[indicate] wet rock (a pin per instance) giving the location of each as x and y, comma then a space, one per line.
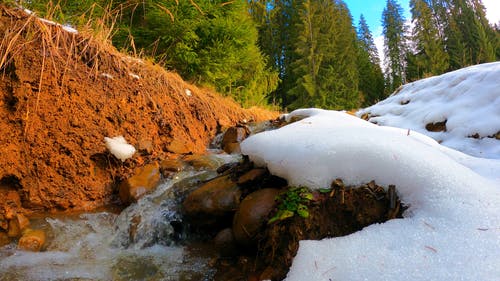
213, 199
144, 180
232, 138
225, 243
171, 166
4, 239
232, 148
228, 167
16, 225
4, 223
136, 268
252, 215
199, 162
252, 176
32, 240
436, 127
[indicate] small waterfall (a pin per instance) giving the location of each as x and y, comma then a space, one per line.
144, 242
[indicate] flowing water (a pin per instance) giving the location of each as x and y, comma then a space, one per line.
144, 242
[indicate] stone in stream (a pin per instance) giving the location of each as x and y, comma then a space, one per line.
225, 243
200, 162
171, 166
4, 223
144, 180
32, 240
253, 214
16, 225
214, 199
232, 139
4, 239
253, 175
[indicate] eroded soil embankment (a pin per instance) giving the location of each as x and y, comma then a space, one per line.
61, 93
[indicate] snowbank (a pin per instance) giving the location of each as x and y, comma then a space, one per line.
469, 99
451, 230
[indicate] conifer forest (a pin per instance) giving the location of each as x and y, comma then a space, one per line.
291, 54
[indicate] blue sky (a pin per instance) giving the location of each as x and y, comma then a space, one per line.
372, 10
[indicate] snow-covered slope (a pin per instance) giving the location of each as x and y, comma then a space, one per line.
451, 230
468, 99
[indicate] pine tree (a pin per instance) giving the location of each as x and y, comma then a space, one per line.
470, 38
339, 73
325, 66
395, 45
371, 78
277, 22
429, 57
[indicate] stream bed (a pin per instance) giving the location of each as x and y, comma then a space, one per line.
143, 242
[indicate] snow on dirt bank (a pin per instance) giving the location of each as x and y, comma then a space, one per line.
467, 100
451, 230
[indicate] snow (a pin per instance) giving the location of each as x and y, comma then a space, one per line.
134, 76
469, 99
451, 230
119, 147
65, 27
107, 75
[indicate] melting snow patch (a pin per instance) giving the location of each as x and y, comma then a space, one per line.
69, 28
107, 75
467, 99
119, 147
131, 59
134, 76
450, 231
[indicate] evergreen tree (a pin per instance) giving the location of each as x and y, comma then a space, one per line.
325, 68
371, 78
470, 38
429, 57
339, 73
277, 21
395, 45
212, 43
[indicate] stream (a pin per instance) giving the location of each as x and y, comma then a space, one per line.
143, 242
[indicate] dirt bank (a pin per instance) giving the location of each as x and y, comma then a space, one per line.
61, 93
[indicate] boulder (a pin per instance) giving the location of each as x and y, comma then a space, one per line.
4, 223
252, 176
252, 215
171, 166
232, 138
225, 243
4, 239
215, 198
199, 162
144, 180
32, 240
16, 225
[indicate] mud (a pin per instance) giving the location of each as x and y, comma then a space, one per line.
61, 93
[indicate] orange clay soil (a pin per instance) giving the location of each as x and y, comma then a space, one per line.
61, 93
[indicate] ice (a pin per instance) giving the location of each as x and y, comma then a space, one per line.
469, 99
451, 230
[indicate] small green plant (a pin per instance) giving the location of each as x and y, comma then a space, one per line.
292, 202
